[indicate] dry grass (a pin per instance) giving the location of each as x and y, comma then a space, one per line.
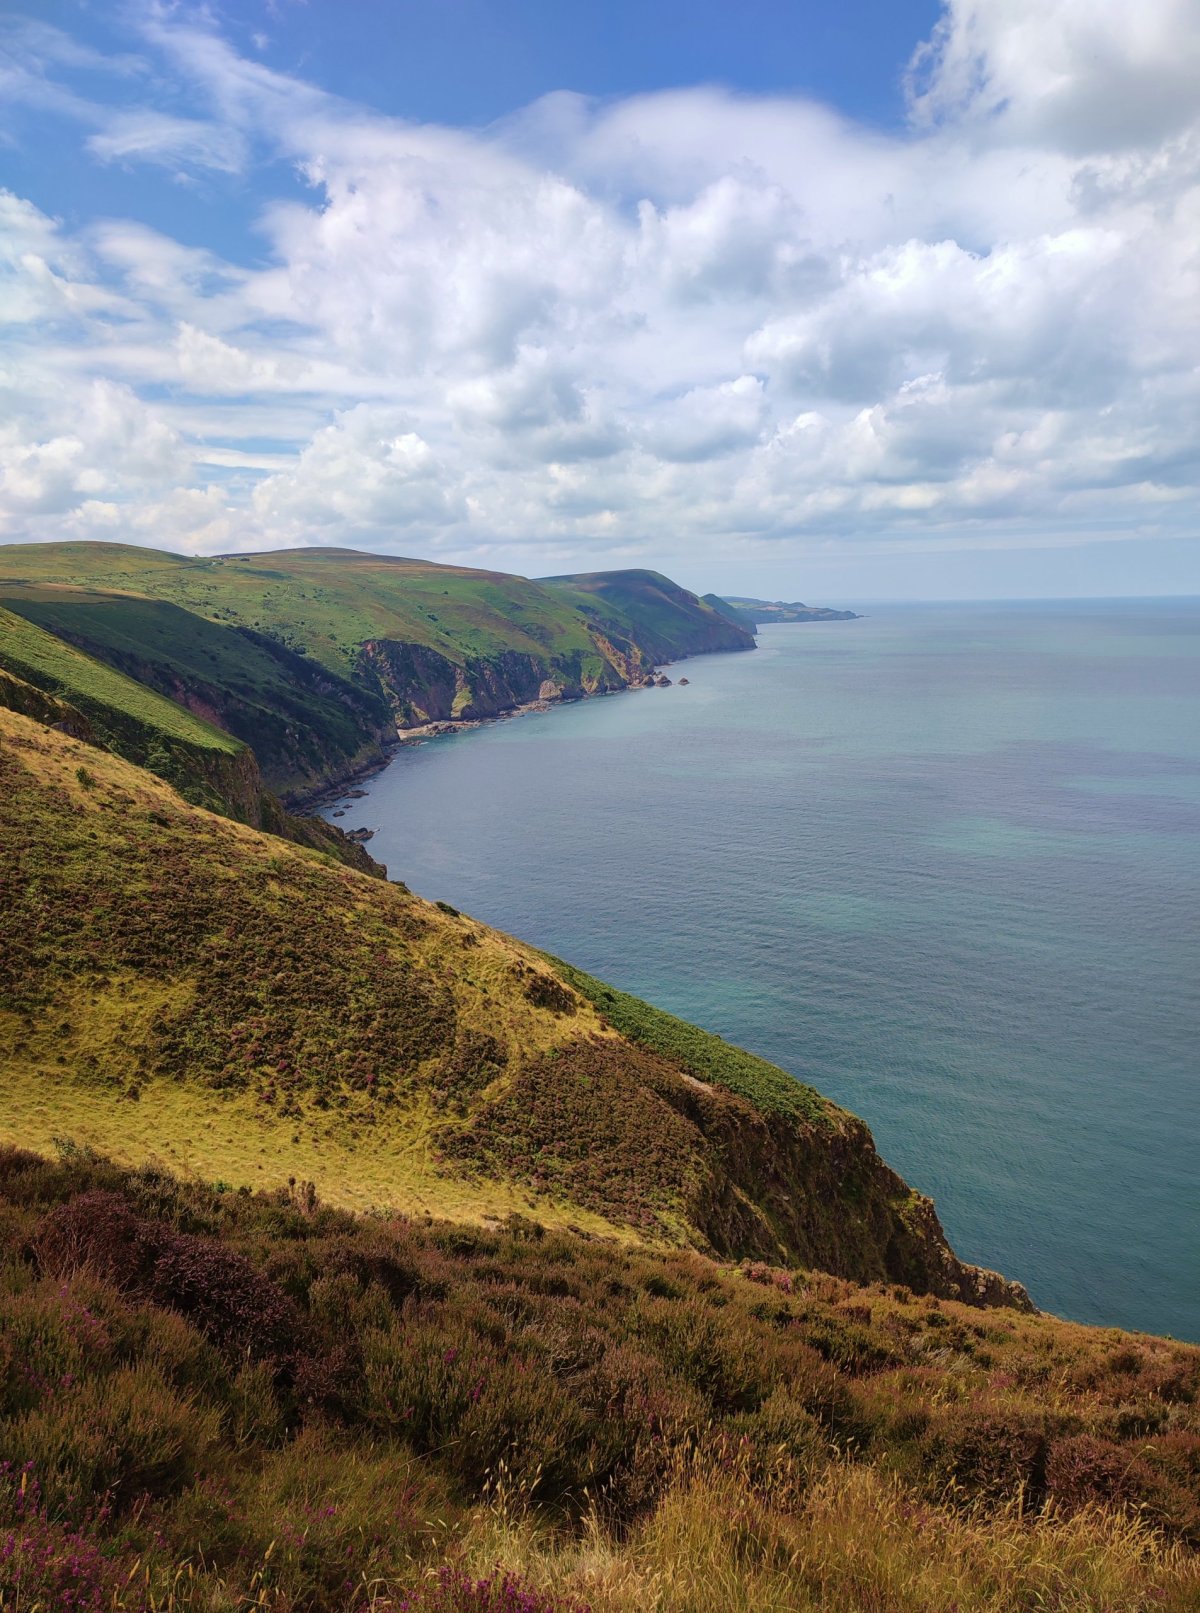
856, 1542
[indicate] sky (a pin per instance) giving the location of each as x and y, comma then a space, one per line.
882, 299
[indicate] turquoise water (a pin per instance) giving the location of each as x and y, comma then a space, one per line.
943, 862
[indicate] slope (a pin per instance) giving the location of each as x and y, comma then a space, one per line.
303, 722
44, 676
214, 1400
177, 985
363, 643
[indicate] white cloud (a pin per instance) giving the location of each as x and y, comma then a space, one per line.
1081, 75
69, 446
148, 136
368, 470
727, 319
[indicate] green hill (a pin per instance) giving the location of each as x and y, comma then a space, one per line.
744, 618
358, 1258
46, 677
315, 657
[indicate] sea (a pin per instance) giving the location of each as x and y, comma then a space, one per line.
942, 862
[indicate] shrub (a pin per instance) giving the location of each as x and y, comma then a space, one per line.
118, 1437
995, 1456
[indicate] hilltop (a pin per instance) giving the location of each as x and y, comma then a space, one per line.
318, 658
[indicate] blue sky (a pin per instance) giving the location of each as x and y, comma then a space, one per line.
874, 300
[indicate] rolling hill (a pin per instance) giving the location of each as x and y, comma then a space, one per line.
317, 657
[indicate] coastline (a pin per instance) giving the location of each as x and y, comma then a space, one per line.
338, 791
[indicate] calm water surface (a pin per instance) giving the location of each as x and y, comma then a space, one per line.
943, 862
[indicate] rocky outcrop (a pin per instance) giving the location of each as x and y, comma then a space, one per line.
794, 1192
423, 686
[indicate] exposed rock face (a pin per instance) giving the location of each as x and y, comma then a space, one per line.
423, 686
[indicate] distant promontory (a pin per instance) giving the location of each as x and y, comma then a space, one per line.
756, 613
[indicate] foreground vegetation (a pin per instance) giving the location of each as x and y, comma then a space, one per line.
215, 1400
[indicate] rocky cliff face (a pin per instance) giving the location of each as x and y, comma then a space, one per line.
422, 685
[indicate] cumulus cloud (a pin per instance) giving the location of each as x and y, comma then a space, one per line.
1081, 75
734, 320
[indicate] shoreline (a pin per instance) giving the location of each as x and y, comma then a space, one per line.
314, 804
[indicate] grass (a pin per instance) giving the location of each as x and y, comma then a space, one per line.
327, 602
216, 1400
178, 986
302, 722
101, 693
701, 1052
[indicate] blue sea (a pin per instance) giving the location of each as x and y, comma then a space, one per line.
942, 862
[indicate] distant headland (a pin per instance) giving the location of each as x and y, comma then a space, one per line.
755, 613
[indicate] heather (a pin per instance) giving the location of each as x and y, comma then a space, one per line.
216, 1399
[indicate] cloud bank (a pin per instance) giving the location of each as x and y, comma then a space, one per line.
690, 322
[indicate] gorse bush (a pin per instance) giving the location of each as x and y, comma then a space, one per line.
219, 1401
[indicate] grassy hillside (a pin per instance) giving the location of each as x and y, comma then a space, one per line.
303, 722
375, 1262
217, 1401
210, 766
176, 985
327, 602
315, 656
665, 620
743, 616
44, 677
